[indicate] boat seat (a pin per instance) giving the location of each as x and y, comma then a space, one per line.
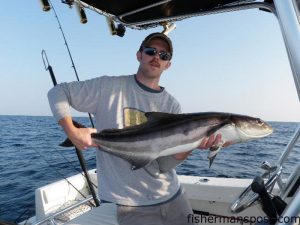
105, 214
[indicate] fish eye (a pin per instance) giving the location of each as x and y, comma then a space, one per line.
259, 121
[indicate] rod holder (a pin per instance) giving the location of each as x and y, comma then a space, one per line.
119, 30
45, 5
81, 13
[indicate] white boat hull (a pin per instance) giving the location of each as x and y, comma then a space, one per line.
210, 197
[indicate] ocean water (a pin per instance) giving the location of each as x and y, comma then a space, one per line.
31, 157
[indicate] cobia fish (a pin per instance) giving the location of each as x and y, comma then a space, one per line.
167, 134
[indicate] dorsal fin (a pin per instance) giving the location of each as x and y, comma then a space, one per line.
156, 116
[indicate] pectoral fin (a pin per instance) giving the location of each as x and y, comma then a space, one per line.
214, 150
136, 160
139, 163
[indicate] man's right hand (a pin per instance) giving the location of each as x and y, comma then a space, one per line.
80, 137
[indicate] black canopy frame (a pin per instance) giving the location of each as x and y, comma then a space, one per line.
146, 14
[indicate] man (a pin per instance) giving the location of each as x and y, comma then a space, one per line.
150, 195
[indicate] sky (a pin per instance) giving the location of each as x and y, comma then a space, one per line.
230, 62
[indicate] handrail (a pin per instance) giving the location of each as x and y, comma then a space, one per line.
52, 216
289, 148
288, 18
292, 214
290, 182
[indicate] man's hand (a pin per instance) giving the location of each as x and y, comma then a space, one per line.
80, 137
206, 143
212, 140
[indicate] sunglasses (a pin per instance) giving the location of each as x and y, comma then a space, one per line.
165, 56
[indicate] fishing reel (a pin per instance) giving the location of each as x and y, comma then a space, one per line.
119, 30
268, 168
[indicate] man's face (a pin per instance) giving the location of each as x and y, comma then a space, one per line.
153, 66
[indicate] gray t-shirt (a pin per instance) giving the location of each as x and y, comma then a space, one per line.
118, 102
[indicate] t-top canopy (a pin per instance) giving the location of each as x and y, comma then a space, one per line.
149, 13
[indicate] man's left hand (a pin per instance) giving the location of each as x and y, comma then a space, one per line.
206, 143
211, 141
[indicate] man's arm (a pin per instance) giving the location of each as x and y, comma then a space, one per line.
80, 137
82, 96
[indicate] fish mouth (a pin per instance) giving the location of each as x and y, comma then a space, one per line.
256, 133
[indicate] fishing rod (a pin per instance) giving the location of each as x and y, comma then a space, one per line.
48, 67
78, 152
69, 52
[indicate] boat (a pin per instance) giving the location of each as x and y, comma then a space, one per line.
267, 199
